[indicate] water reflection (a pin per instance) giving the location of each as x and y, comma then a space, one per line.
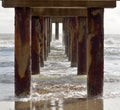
67, 104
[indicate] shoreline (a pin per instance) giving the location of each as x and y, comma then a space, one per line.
64, 104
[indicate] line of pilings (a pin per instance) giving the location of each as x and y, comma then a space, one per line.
83, 39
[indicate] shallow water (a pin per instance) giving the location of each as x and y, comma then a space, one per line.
64, 104
57, 79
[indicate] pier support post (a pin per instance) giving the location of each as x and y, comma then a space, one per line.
69, 39
65, 35
41, 41
57, 31
50, 30
22, 51
45, 39
35, 46
74, 37
48, 34
82, 46
95, 51
63, 30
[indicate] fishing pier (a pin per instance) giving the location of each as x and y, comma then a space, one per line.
83, 30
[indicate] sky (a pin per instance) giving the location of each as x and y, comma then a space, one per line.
111, 20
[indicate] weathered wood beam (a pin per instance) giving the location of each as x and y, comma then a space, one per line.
22, 51
65, 20
45, 38
82, 45
95, 51
41, 41
48, 34
59, 3
69, 39
50, 29
35, 45
74, 38
56, 13
56, 19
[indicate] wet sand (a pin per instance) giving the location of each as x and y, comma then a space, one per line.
64, 104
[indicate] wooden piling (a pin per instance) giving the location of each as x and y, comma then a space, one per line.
82, 45
69, 39
35, 45
65, 35
74, 38
41, 41
95, 52
50, 30
48, 35
22, 51
45, 39
57, 31
63, 29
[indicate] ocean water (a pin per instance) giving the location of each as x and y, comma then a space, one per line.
57, 71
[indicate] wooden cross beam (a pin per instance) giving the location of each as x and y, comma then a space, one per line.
59, 3
59, 12
56, 19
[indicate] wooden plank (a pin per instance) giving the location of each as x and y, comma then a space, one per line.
35, 45
59, 12
59, 3
22, 51
95, 52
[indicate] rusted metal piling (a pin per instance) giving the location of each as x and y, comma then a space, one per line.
22, 51
57, 30
95, 51
82, 45
35, 45
74, 38
41, 41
